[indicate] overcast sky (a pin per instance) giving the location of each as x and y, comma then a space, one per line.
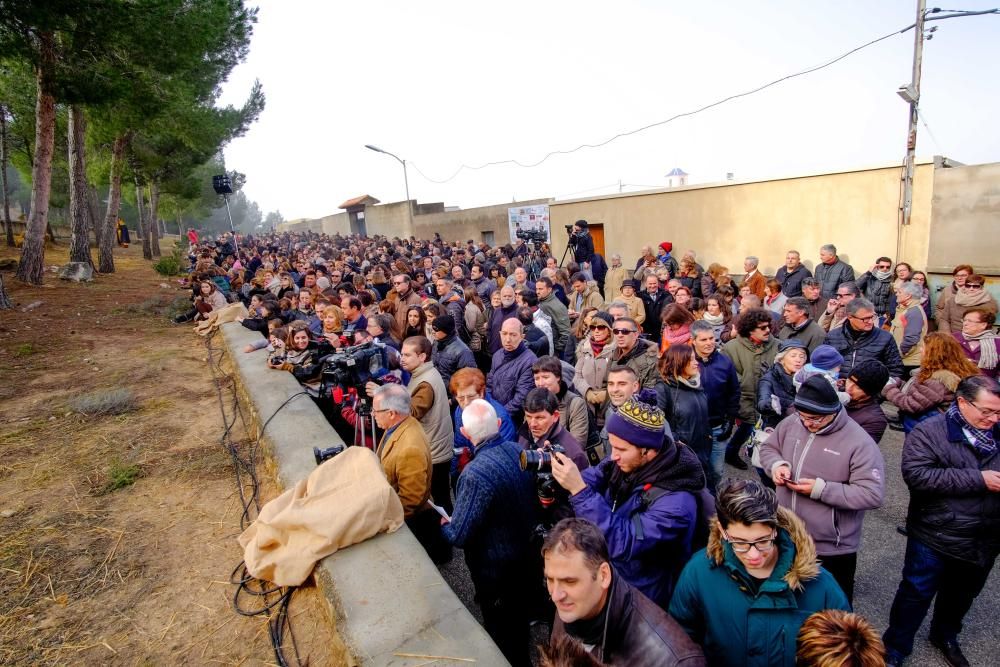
443, 84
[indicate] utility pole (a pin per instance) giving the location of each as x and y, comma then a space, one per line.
911, 93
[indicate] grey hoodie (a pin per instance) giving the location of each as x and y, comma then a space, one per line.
849, 472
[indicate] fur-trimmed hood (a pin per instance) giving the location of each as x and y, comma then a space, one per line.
804, 567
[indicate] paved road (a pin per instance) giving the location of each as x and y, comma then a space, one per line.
880, 564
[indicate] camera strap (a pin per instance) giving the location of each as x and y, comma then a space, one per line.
649, 495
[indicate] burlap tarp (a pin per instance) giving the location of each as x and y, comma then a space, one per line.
344, 501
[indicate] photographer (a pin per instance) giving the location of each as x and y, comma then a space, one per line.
647, 498
582, 242
298, 356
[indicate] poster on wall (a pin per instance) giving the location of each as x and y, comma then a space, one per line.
530, 223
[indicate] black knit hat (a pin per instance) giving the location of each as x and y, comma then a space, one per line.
817, 396
445, 324
604, 317
870, 376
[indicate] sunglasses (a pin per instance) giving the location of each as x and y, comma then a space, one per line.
623, 332
594, 327
973, 286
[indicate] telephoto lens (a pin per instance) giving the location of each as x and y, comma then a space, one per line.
326, 453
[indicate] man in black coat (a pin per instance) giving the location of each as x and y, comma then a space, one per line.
859, 340
952, 468
583, 242
597, 608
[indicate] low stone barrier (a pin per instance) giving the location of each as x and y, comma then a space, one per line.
386, 597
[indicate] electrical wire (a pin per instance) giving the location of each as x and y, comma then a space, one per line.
253, 597
927, 127
693, 112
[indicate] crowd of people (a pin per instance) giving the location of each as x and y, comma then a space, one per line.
684, 456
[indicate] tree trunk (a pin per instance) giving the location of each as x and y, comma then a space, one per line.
154, 212
108, 232
32, 264
147, 249
79, 214
4, 159
96, 223
5, 303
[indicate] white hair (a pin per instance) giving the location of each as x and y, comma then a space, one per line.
394, 397
913, 289
479, 420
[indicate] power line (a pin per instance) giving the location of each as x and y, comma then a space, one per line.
628, 133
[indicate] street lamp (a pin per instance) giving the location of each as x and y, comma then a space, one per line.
406, 181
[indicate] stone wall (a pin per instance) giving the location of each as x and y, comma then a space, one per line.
385, 595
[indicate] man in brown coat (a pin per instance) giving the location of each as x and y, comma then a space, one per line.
406, 296
753, 279
406, 460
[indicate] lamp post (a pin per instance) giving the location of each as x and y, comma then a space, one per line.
406, 181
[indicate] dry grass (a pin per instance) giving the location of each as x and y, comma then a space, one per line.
138, 575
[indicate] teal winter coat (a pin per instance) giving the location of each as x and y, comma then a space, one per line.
714, 600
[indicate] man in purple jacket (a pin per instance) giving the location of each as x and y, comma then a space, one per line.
648, 498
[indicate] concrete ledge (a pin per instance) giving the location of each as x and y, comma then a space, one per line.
385, 594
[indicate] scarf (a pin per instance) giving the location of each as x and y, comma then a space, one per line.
714, 320
987, 349
681, 335
983, 443
971, 299
882, 275
596, 347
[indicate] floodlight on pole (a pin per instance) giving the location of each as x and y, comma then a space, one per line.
406, 180
223, 185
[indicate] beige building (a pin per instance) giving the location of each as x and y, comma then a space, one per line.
956, 213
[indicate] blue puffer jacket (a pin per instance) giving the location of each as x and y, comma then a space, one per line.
716, 604
510, 378
651, 557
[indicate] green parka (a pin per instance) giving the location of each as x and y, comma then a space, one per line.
751, 361
715, 604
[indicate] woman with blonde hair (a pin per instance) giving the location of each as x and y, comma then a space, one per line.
713, 278
931, 389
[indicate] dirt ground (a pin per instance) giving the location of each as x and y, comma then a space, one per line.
118, 533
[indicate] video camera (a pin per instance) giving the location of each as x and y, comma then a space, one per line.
353, 366
539, 463
532, 235
326, 453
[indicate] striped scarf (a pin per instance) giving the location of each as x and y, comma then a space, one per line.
982, 442
987, 348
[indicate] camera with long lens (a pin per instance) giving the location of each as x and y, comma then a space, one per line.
353, 366
539, 462
532, 235
326, 453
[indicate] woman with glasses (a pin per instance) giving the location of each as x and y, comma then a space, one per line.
979, 342
971, 295
744, 598
593, 358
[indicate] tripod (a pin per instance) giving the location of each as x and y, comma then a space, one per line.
365, 422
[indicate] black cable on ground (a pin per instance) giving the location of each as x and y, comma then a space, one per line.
253, 597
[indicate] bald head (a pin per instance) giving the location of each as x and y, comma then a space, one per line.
511, 334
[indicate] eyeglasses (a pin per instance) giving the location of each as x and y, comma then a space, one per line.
375, 412
870, 318
623, 332
811, 419
466, 398
884, 267
595, 327
985, 413
741, 547
973, 286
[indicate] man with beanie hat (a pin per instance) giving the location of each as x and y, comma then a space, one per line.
864, 385
450, 353
582, 242
828, 471
648, 497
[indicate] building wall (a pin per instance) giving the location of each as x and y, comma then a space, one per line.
858, 211
965, 218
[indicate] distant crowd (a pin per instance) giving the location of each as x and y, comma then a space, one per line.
685, 456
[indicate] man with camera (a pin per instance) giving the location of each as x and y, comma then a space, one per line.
582, 242
406, 460
493, 522
647, 497
596, 607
